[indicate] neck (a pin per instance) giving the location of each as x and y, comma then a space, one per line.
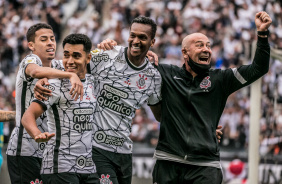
81, 75
46, 63
138, 60
189, 69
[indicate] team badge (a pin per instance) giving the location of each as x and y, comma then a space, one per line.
128, 81
36, 182
105, 179
95, 52
141, 83
30, 60
205, 83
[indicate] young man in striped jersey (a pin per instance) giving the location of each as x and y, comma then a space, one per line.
23, 153
67, 157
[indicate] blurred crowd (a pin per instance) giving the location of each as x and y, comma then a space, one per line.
229, 24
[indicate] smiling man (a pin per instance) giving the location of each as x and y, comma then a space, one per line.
125, 79
193, 98
67, 157
23, 153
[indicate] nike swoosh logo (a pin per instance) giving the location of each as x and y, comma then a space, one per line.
177, 78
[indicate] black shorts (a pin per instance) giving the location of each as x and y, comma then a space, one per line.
112, 166
167, 172
23, 169
70, 178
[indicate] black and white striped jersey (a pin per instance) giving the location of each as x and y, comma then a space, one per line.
72, 122
120, 88
20, 143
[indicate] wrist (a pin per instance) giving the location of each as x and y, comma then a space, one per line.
263, 34
70, 75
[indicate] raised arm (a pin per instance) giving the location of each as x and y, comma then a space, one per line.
29, 123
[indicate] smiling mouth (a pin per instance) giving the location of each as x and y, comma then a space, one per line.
203, 59
134, 48
71, 68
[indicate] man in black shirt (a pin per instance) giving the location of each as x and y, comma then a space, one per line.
193, 98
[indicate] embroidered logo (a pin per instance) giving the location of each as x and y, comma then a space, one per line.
105, 179
128, 81
205, 83
36, 182
141, 83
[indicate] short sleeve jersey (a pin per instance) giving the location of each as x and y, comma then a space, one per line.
20, 143
120, 88
71, 121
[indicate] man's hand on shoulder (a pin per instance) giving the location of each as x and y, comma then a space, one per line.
107, 44
76, 87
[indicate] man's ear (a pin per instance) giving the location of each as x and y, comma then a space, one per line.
153, 42
31, 46
88, 58
185, 53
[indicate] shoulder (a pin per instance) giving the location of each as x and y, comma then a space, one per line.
31, 58
165, 68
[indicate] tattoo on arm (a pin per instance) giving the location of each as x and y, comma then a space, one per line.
7, 115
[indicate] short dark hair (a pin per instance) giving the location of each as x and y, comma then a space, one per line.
147, 21
78, 38
30, 35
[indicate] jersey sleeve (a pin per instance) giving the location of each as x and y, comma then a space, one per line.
100, 58
55, 85
236, 78
26, 61
156, 97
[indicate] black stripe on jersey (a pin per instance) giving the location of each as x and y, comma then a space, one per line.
128, 62
20, 136
58, 138
88, 68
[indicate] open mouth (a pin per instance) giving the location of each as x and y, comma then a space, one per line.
204, 59
51, 51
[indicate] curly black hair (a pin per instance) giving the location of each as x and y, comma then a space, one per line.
78, 38
146, 21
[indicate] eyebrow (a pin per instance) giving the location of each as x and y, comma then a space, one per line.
141, 34
77, 53
46, 36
200, 42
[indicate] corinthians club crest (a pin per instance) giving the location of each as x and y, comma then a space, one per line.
141, 83
205, 83
105, 179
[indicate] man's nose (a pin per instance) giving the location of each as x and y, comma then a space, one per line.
136, 40
70, 60
51, 42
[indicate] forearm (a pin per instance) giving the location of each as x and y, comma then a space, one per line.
29, 123
29, 119
46, 72
262, 54
7, 115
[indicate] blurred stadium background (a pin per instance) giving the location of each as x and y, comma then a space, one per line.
230, 26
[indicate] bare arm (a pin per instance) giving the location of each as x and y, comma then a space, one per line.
7, 115
156, 109
38, 72
29, 123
